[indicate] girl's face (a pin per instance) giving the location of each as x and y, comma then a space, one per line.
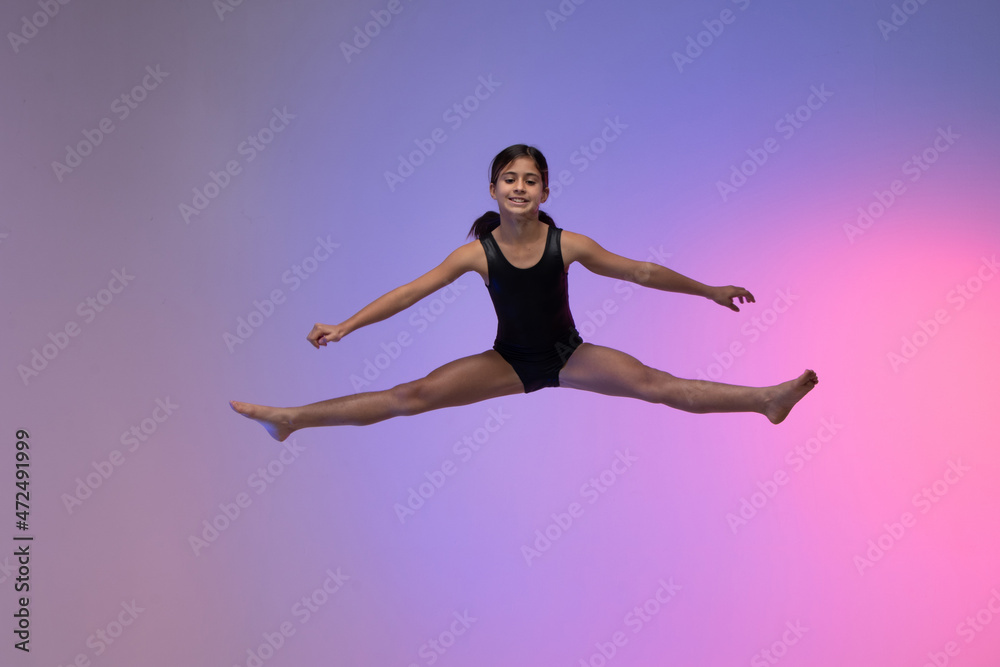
519, 189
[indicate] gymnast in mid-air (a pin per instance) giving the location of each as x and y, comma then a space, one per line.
523, 258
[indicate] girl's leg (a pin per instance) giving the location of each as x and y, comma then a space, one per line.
461, 382
607, 371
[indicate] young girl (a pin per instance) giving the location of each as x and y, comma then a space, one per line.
523, 259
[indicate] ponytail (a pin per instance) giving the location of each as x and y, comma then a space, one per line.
490, 220
485, 224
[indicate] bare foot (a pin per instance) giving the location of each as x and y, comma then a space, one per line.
274, 420
787, 394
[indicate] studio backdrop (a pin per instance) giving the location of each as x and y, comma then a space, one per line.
188, 187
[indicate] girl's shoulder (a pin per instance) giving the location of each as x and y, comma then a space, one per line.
574, 239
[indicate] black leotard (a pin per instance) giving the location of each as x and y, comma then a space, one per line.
535, 330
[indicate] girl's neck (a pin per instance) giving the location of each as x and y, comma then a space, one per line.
522, 229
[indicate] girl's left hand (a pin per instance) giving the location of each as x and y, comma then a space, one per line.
724, 296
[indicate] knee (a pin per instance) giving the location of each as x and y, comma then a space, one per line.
651, 384
409, 399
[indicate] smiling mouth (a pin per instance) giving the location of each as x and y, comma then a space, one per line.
517, 200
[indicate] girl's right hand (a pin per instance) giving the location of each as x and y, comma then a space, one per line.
322, 334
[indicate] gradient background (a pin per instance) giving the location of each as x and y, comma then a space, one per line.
852, 300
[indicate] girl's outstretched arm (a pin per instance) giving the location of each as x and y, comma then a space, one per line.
579, 248
467, 258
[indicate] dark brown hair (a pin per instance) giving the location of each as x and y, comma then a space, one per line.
489, 220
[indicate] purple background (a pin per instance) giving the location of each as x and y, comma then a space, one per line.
837, 559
